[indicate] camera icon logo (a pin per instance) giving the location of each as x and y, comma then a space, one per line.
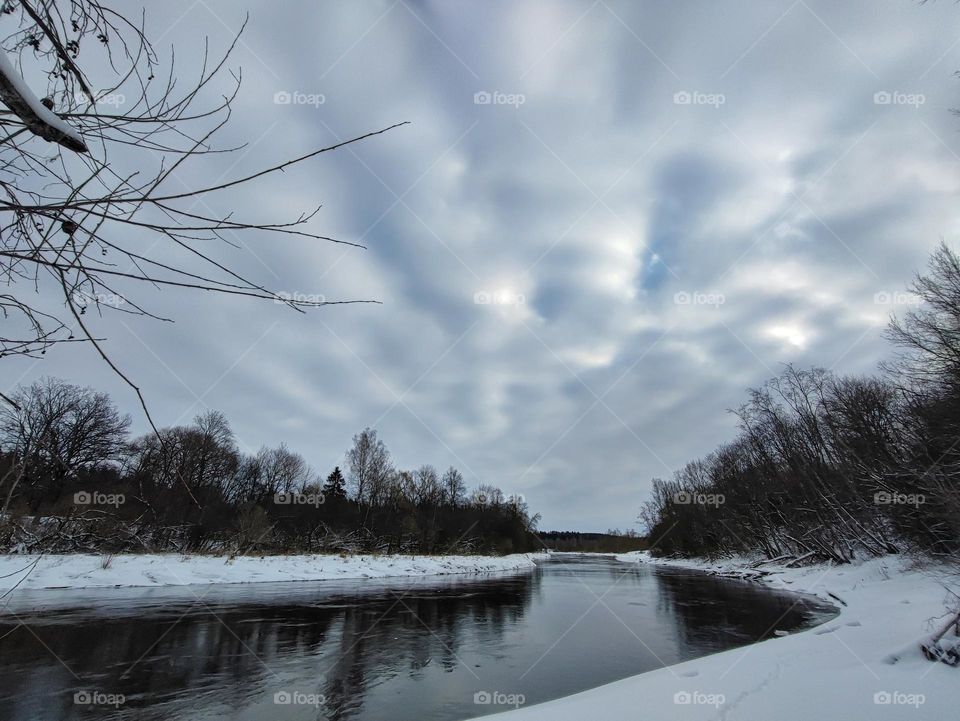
482, 697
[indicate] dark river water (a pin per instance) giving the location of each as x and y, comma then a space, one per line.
434, 648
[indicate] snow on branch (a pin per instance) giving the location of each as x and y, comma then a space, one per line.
39, 119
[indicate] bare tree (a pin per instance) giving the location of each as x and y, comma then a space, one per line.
453, 486
198, 457
370, 467
429, 491
87, 170
927, 367
928, 337
282, 471
53, 430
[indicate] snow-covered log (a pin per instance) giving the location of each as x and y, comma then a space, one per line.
39, 119
800, 559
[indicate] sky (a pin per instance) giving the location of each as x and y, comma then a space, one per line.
604, 222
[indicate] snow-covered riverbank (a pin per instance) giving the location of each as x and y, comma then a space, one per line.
95, 571
865, 665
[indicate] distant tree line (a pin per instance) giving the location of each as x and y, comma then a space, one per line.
71, 479
836, 467
613, 541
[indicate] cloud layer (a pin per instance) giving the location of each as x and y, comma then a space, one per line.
604, 222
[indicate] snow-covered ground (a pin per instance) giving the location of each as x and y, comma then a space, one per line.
864, 665
94, 571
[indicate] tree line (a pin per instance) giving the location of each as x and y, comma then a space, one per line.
834, 467
613, 541
72, 479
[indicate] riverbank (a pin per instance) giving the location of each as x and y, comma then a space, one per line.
151, 570
864, 665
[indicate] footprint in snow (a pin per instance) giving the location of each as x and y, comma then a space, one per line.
854, 623
690, 674
822, 631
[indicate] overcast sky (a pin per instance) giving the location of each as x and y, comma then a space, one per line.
663, 202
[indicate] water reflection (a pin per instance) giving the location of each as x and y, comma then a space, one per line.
714, 611
393, 650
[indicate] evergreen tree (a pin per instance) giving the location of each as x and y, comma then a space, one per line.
335, 487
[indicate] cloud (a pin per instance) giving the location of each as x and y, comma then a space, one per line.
658, 253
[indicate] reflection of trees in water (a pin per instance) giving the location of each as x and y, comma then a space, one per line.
175, 651
617, 570
717, 613
340, 647
413, 631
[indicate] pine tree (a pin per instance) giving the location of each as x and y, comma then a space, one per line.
335, 487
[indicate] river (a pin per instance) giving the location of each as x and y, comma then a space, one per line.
438, 648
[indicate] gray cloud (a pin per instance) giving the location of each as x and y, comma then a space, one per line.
596, 202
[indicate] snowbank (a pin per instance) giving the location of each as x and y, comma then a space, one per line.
95, 571
864, 665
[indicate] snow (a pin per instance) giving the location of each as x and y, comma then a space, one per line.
99, 571
864, 665
45, 123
